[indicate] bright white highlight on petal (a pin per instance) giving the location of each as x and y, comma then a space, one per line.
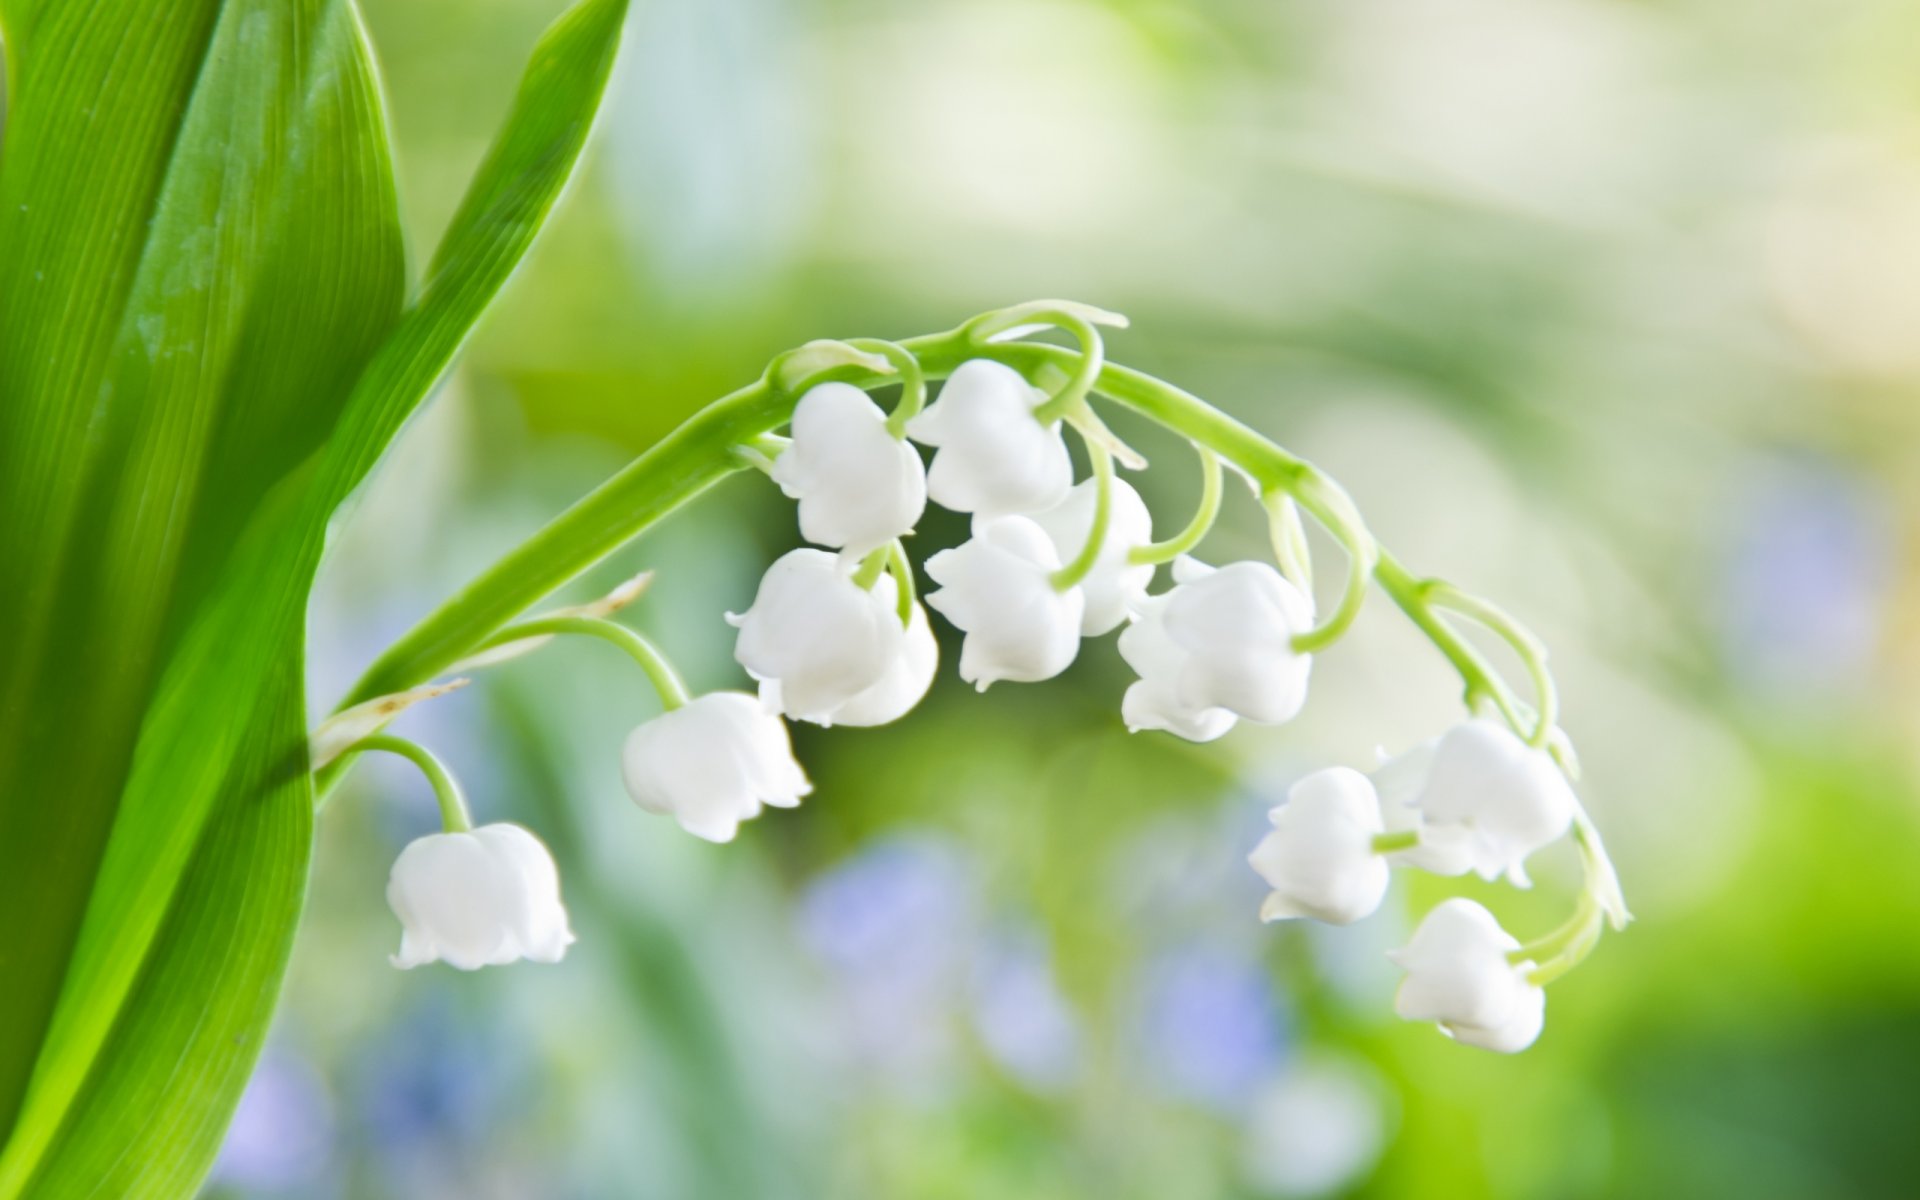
1458, 975
712, 764
1218, 647
482, 898
992, 458
1319, 859
858, 486
997, 588
1114, 587
816, 633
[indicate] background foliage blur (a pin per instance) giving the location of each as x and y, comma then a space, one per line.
1608, 310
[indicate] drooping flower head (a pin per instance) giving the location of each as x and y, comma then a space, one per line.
1218, 647
997, 588
1320, 859
478, 898
1488, 800
1114, 586
817, 638
712, 763
859, 487
992, 456
1459, 975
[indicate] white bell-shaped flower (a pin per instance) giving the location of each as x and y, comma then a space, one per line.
859, 487
712, 763
1398, 780
906, 680
478, 898
1219, 646
992, 456
997, 588
1320, 859
1459, 975
1114, 586
821, 637
1489, 800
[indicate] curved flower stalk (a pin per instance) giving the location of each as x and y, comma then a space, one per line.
841, 638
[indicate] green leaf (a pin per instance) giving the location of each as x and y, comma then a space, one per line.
202, 352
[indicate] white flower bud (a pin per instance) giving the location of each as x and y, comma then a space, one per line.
1114, 585
1442, 849
1217, 647
859, 487
1489, 800
816, 633
481, 898
1319, 859
997, 588
906, 681
992, 457
1458, 975
712, 763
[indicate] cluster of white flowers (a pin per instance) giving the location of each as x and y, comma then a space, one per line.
837, 635
1477, 798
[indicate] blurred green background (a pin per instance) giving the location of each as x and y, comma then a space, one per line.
1607, 310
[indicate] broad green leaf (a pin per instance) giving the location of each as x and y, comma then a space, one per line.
252, 366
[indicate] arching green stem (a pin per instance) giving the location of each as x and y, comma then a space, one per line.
1532, 652
901, 568
666, 681
1288, 537
1070, 575
454, 814
913, 381
1203, 517
1327, 503
868, 573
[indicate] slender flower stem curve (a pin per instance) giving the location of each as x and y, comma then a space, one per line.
454, 814
660, 673
1197, 529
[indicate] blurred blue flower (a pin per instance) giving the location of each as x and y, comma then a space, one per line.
1212, 1025
1024, 1022
429, 1080
1810, 556
281, 1137
897, 925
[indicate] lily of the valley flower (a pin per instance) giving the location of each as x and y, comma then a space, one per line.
1218, 647
859, 487
1320, 859
820, 638
992, 456
1458, 975
478, 898
1114, 586
712, 763
906, 680
1487, 800
997, 588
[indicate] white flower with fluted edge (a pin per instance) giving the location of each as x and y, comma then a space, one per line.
817, 636
1398, 780
712, 763
1216, 648
1459, 975
478, 898
997, 588
992, 457
859, 487
1485, 800
1114, 586
905, 682
1320, 859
